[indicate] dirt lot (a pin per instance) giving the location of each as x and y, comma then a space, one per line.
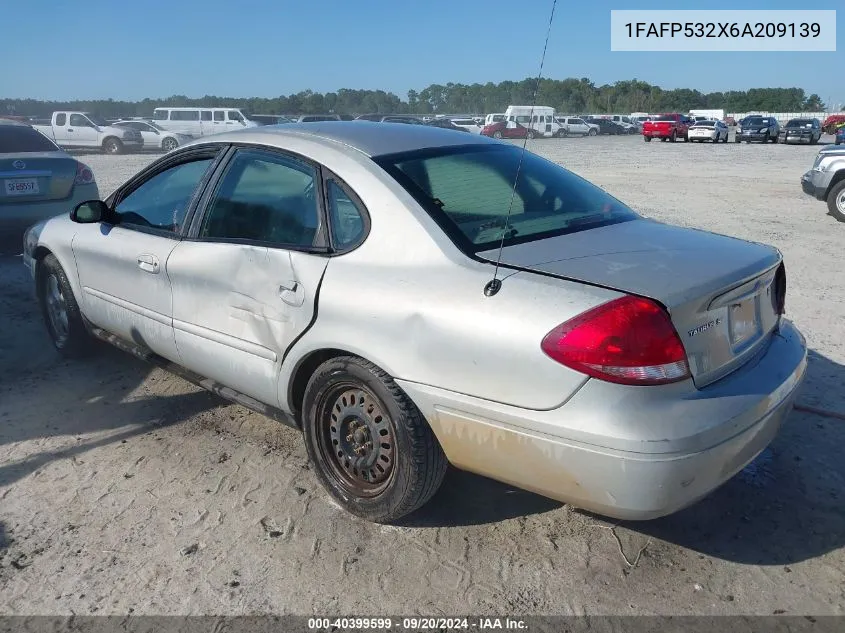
124, 489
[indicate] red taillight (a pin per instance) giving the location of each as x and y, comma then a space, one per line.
84, 175
629, 340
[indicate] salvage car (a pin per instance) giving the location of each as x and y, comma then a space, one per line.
667, 127
508, 129
801, 131
758, 128
410, 297
826, 180
38, 180
154, 136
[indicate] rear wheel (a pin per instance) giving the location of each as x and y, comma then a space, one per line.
530, 134
60, 310
836, 201
374, 452
593, 131
647, 139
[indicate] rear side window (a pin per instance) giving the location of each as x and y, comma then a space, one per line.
185, 115
15, 139
162, 201
219, 115
469, 190
345, 216
206, 115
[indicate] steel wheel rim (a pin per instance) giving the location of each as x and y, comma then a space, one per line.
57, 309
357, 440
840, 201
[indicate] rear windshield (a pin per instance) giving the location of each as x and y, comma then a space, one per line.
468, 191
705, 123
18, 139
666, 117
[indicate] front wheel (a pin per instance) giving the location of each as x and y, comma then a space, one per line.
60, 311
112, 146
497, 134
836, 201
592, 131
372, 449
169, 144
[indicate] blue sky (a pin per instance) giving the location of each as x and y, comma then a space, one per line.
123, 50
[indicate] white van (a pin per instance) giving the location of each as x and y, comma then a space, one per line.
539, 118
198, 122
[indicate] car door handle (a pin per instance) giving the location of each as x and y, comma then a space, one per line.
288, 286
148, 263
70, 129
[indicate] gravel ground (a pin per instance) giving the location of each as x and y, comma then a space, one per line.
124, 489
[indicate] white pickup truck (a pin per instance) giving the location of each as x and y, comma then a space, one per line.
84, 130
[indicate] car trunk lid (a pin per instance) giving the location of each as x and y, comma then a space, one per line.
36, 177
721, 293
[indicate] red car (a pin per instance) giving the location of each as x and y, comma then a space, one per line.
832, 122
501, 130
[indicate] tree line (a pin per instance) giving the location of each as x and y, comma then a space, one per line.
572, 95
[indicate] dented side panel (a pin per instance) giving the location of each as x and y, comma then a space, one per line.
237, 308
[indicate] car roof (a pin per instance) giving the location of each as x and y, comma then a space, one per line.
372, 139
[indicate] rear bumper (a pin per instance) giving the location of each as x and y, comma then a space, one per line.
16, 218
655, 477
661, 133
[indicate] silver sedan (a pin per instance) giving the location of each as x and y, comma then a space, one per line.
342, 277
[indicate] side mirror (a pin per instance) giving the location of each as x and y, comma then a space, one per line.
89, 212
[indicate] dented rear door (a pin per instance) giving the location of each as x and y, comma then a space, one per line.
237, 308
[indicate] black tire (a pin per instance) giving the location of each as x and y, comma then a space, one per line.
836, 201
407, 446
69, 335
647, 139
815, 141
112, 145
663, 139
530, 134
592, 132
497, 134
169, 144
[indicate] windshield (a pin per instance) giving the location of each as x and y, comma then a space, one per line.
468, 191
754, 120
800, 123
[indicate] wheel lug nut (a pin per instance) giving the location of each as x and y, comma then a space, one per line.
349, 437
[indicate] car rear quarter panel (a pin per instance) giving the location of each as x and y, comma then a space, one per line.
409, 301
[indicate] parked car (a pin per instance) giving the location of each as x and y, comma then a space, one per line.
508, 129
270, 119
840, 136
628, 381
667, 127
801, 131
155, 136
573, 126
446, 124
38, 179
83, 130
391, 118
606, 126
765, 129
470, 125
316, 118
713, 131
826, 180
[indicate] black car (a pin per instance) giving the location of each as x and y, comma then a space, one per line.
758, 128
446, 124
606, 126
801, 131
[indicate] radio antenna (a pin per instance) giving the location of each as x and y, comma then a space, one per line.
494, 285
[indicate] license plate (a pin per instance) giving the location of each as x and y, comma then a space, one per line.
21, 187
744, 324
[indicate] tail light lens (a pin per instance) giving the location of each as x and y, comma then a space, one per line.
630, 341
84, 175
779, 294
